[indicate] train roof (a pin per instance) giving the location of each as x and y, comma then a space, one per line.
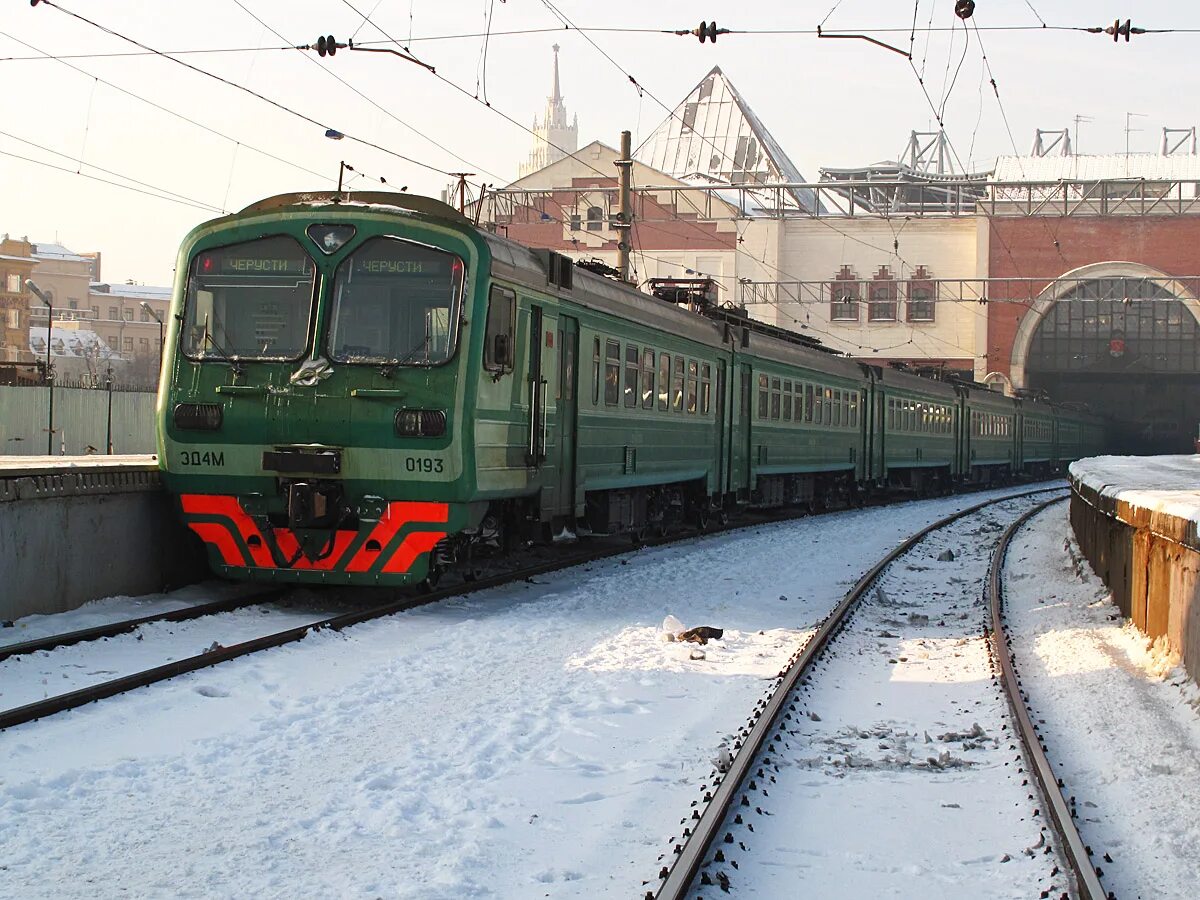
426, 206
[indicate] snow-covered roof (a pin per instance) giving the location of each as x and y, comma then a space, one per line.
1149, 166
715, 132
133, 291
79, 343
57, 251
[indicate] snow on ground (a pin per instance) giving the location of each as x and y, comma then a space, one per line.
1120, 716
897, 778
534, 740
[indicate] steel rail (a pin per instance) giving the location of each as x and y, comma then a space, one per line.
690, 853
1087, 882
75, 699
112, 629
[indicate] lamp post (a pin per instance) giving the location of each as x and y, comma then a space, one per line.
150, 311
37, 292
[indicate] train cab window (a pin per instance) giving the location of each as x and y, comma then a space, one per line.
693, 385
632, 375
498, 338
808, 403
612, 373
397, 303
664, 381
647, 379
764, 397
787, 401
677, 385
774, 398
249, 301
705, 389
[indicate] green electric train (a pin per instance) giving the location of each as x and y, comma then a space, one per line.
369, 389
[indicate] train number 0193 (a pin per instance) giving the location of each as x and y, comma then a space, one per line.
423, 464
202, 457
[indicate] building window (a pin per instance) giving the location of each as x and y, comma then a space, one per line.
882, 306
145, 317
95, 312
595, 218
576, 221
127, 314
128, 345
14, 283
920, 296
843, 296
114, 313
73, 304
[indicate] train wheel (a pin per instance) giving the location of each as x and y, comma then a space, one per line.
702, 517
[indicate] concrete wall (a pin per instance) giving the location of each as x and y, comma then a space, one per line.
73, 536
80, 421
1150, 560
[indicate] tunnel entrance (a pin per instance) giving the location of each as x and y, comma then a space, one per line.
1128, 348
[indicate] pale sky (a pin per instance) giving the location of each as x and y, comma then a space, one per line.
834, 103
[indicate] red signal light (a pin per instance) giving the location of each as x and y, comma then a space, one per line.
206, 264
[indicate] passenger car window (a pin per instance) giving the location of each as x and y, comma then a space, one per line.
612, 373
498, 336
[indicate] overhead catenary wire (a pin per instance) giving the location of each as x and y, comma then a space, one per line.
240, 87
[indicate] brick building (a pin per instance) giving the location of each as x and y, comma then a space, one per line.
16, 265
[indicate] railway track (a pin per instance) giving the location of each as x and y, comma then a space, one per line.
703, 860
126, 626
607, 547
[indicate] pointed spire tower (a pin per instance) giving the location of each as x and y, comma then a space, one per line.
555, 137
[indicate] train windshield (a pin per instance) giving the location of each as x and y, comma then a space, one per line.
250, 301
396, 303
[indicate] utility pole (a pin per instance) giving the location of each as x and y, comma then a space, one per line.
1128, 128
462, 189
1078, 119
49, 369
624, 221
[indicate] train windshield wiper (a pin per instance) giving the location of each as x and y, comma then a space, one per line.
212, 342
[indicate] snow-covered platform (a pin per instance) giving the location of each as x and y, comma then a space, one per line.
1137, 519
77, 528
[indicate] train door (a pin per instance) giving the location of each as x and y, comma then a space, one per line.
740, 457
535, 449
722, 431
568, 374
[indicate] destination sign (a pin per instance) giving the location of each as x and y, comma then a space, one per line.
429, 267
221, 264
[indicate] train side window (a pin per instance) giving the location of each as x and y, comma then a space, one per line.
647, 378
828, 406
891, 414
612, 373
498, 337
808, 403
787, 401
705, 388
764, 397
595, 371
853, 420
837, 407
692, 385
774, 398
631, 375
677, 385
664, 381
819, 411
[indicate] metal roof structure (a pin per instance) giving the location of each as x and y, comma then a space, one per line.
715, 134
1110, 167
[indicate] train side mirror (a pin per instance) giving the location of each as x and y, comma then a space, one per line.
502, 351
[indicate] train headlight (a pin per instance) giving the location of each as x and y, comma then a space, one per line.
420, 423
198, 416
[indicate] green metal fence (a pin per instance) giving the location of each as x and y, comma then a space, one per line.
82, 420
